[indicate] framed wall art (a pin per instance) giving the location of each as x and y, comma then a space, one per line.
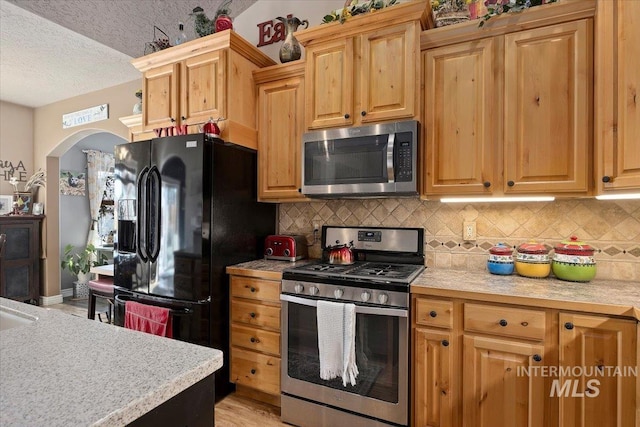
72, 183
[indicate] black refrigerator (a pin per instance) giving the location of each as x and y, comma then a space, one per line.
186, 208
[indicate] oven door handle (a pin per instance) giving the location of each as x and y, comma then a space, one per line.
360, 309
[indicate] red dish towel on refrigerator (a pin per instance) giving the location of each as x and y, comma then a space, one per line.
147, 318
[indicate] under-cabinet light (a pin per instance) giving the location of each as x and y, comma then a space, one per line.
497, 199
628, 196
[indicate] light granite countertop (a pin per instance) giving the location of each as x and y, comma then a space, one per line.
64, 370
610, 297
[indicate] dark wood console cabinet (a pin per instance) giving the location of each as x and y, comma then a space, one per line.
20, 260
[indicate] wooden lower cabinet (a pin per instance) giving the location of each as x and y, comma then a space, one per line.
435, 375
255, 337
496, 390
477, 363
597, 395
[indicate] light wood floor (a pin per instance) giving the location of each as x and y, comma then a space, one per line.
238, 411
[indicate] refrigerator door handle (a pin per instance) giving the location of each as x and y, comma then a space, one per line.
141, 216
155, 193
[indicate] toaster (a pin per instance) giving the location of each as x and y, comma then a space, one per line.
286, 248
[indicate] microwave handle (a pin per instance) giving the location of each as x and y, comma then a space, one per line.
390, 172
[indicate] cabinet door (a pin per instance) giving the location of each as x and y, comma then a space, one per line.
586, 343
547, 109
280, 128
500, 385
617, 126
203, 88
160, 91
389, 73
20, 264
329, 84
461, 118
435, 386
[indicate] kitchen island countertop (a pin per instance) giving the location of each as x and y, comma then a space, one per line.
64, 370
609, 297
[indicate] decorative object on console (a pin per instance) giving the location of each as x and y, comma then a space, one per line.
500, 259
448, 12
498, 7
290, 49
37, 209
6, 204
354, 7
573, 261
203, 25
159, 42
137, 107
532, 260
22, 200
223, 17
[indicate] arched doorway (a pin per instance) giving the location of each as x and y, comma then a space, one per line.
51, 291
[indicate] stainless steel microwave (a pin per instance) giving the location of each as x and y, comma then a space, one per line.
365, 161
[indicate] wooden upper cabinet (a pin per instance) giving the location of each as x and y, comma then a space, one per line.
461, 118
388, 73
329, 84
204, 88
365, 70
547, 109
617, 97
508, 111
280, 128
190, 83
161, 94
605, 399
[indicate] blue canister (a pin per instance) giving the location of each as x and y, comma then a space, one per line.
500, 260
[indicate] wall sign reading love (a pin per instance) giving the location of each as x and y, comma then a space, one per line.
88, 115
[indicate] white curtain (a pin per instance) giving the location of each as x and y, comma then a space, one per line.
99, 166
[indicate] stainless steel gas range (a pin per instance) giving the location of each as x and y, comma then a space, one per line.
387, 260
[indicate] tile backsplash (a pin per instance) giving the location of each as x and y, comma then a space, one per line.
611, 227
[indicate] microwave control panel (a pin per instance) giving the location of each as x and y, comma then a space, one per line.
404, 158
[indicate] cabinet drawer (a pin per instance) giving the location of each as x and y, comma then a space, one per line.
431, 312
255, 370
504, 321
255, 339
258, 289
255, 314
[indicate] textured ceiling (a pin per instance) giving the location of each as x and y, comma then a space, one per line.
52, 50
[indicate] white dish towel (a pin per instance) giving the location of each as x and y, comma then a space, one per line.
337, 341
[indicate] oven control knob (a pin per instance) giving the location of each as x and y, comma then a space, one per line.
365, 296
298, 288
314, 290
383, 298
338, 293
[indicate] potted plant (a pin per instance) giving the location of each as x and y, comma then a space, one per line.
79, 263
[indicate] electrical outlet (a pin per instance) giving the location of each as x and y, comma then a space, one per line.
316, 226
469, 231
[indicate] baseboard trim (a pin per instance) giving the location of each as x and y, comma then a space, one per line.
56, 299
68, 292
